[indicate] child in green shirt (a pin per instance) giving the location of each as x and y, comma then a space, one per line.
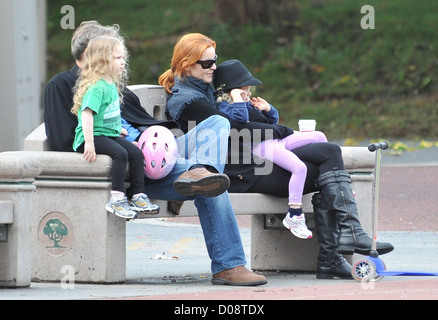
96, 102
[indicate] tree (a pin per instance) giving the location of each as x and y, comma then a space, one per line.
55, 230
281, 15
241, 12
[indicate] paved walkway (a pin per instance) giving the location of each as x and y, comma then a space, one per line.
177, 267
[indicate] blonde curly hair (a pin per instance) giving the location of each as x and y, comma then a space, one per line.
221, 95
96, 61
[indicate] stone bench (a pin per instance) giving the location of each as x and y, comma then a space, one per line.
71, 195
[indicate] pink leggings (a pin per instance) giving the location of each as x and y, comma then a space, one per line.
279, 152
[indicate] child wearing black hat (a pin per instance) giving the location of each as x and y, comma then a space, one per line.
233, 82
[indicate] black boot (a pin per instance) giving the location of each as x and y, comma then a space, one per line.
330, 263
335, 187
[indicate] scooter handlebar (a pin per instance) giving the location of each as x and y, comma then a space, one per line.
378, 145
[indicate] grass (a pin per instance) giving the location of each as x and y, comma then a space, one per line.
358, 84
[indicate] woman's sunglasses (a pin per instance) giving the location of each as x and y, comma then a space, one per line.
206, 64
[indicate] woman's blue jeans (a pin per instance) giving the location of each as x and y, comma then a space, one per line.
216, 214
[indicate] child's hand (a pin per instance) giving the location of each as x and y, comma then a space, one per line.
124, 132
238, 95
261, 104
89, 152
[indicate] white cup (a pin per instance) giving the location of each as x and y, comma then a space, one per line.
307, 125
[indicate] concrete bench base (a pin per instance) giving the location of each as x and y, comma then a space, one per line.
17, 193
93, 244
274, 248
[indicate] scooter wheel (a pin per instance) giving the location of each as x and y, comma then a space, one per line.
365, 270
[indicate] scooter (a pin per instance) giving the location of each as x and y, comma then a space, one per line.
372, 268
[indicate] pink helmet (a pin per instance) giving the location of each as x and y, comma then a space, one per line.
160, 151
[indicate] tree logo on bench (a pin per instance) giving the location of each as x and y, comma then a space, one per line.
54, 233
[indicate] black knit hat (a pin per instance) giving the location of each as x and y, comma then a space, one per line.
233, 74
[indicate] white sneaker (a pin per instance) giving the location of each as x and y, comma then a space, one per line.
121, 208
297, 225
143, 204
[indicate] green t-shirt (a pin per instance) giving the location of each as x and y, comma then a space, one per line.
103, 99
